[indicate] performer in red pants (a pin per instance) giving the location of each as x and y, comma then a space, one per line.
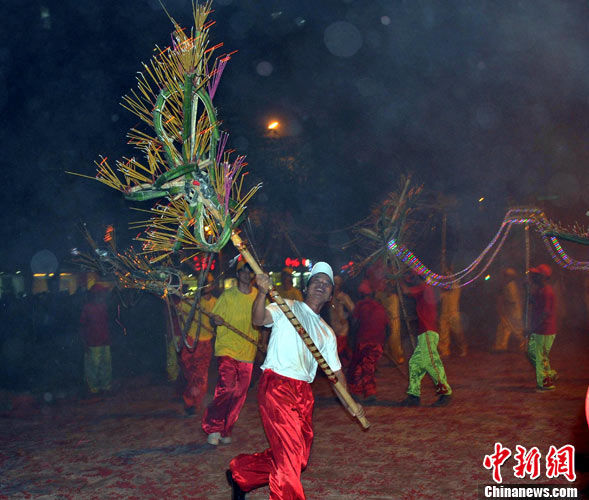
195, 361
371, 321
235, 357
285, 397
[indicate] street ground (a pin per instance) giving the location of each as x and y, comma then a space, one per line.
138, 443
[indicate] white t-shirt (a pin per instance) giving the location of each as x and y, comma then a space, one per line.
287, 354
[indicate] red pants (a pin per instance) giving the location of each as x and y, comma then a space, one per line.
232, 384
195, 367
361, 379
286, 408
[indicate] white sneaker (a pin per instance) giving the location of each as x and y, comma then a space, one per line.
226, 440
213, 438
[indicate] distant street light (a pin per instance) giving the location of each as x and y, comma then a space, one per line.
273, 125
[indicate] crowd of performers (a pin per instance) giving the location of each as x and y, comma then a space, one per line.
329, 315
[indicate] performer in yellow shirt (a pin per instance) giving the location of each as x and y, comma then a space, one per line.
286, 290
195, 360
235, 356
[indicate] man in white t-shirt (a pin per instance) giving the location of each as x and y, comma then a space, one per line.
285, 398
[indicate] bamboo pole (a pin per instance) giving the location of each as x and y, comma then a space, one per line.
338, 387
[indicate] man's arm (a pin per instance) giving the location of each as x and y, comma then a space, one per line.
260, 315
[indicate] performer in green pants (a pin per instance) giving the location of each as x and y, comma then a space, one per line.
422, 313
543, 326
538, 349
427, 360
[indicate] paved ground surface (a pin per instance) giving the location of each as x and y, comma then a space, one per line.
137, 442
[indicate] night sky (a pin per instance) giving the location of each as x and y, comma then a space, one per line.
473, 98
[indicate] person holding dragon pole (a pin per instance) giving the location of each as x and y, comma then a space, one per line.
425, 357
285, 398
235, 357
196, 353
543, 328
